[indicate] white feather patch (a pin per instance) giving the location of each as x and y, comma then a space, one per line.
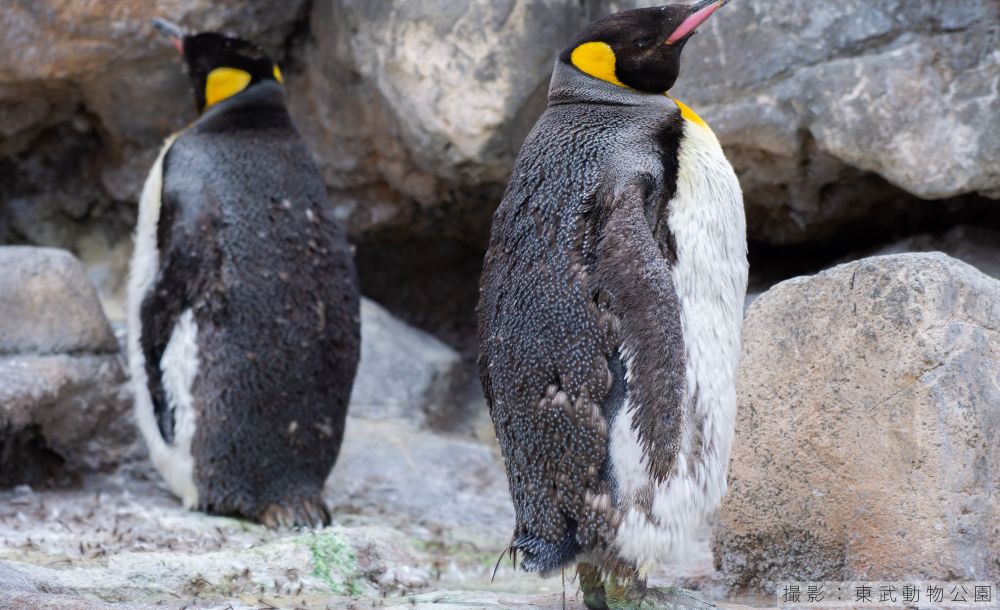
628, 463
174, 462
710, 276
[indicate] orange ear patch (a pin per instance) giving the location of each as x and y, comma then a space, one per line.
223, 83
598, 60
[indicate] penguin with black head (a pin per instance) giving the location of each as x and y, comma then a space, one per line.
243, 302
610, 312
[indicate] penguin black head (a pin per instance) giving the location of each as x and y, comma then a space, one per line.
641, 48
219, 66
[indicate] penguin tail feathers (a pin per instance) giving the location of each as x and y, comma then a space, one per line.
542, 556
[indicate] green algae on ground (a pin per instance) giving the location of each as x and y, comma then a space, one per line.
333, 557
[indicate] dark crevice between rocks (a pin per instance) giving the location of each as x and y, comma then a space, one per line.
50, 193
428, 275
431, 283
897, 217
26, 459
425, 267
290, 53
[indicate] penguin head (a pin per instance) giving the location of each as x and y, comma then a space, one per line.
639, 49
219, 66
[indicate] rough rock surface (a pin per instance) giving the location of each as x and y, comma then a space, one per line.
47, 305
813, 100
61, 400
805, 97
869, 410
417, 479
405, 373
442, 92
412, 509
974, 245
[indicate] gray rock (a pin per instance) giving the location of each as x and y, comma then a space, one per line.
866, 430
122, 539
13, 580
405, 373
807, 96
813, 104
63, 407
425, 480
47, 305
976, 246
19, 591
62, 410
426, 96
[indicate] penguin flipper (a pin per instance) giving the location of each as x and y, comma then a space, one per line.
631, 266
184, 242
160, 312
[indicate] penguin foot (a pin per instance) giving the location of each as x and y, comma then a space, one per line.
622, 595
300, 512
592, 587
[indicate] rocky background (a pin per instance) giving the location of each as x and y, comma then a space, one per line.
857, 127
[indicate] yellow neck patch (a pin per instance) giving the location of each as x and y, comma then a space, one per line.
223, 83
277, 75
598, 60
690, 115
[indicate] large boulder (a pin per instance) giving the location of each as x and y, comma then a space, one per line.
426, 96
62, 400
817, 102
974, 245
866, 435
419, 479
406, 374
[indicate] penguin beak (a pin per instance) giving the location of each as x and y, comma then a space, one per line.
172, 31
697, 15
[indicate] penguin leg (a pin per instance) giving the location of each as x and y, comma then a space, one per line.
592, 586
298, 512
622, 593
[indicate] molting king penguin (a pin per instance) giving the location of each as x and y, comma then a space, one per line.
243, 302
610, 311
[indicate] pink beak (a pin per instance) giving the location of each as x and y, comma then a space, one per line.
701, 11
173, 32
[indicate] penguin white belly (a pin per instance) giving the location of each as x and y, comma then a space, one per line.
179, 364
707, 221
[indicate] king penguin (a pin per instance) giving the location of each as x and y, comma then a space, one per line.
610, 312
243, 302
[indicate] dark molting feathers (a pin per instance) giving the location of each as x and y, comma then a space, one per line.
641, 48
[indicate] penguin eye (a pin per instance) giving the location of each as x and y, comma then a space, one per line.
642, 43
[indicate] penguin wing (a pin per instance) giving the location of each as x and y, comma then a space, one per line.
635, 272
184, 241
